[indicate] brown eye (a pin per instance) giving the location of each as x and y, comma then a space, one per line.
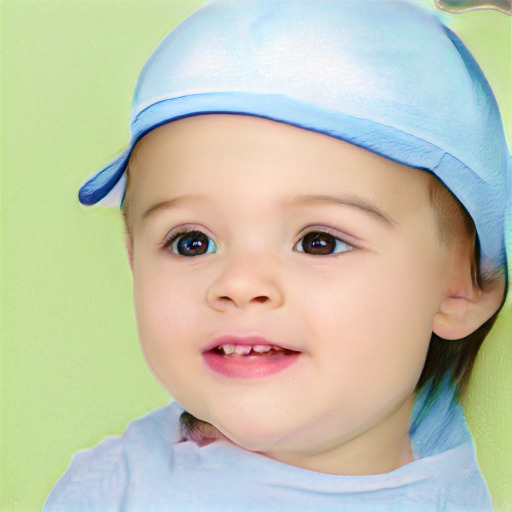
322, 243
191, 243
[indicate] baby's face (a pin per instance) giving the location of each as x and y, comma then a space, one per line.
285, 287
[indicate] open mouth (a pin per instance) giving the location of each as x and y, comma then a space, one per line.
235, 350
248, 360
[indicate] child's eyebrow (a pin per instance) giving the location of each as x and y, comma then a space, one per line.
165, 205
351, 200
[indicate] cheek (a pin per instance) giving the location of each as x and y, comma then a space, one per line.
167, 323
163, 317
379, 316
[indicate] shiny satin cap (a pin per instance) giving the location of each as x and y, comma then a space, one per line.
385, 75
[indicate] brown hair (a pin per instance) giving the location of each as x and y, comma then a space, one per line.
454, 356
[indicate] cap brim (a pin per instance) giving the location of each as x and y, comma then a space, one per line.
104, 182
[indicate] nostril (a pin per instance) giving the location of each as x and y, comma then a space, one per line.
261, 298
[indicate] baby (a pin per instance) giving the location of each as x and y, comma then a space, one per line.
314, 198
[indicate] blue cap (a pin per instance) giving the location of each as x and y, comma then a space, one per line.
385, 75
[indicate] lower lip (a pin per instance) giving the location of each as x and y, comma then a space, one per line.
249, 367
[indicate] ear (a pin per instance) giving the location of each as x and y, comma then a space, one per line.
466, 308
128, 243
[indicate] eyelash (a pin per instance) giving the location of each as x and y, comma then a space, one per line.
175, 236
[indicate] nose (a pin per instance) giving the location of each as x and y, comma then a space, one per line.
242, 283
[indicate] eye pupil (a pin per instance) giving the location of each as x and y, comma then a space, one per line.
193, 243
319, 243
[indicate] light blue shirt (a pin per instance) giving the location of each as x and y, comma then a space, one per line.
148, 469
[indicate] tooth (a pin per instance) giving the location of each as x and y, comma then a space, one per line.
277, 348
228, 349
261, 348
242, 350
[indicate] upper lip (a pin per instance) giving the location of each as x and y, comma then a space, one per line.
245, 340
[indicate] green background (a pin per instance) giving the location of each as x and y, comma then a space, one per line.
71, 371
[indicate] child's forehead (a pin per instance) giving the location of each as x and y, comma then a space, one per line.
207, 137
259, 157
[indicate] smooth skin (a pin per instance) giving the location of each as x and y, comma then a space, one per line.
360, 308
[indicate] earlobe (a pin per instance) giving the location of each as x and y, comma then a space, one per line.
461, 314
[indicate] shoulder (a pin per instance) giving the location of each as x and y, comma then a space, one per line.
447, 466
96, 479
449, 481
